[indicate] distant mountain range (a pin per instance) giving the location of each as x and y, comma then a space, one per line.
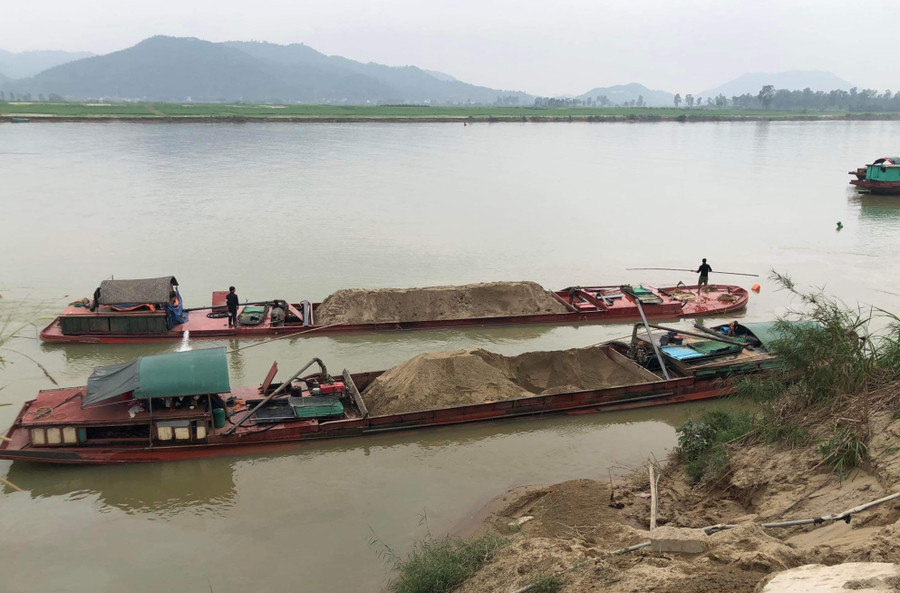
179, 69
29, 63
187, 69
792, 80
626, 93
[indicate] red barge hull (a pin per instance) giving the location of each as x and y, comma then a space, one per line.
280, 437
598, 304
889, 188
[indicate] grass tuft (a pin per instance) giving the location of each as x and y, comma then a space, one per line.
439, 566
843, 450
547, 583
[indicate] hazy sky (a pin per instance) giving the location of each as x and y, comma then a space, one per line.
546, 47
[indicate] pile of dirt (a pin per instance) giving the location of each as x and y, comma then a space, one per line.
460, 377
391, 305
571, 527
749, 547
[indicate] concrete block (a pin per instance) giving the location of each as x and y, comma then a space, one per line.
679, 540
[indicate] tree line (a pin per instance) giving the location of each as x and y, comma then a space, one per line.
768, 97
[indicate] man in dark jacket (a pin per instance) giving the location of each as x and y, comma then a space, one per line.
231, 299
704, 271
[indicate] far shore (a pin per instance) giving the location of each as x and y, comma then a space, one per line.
37, 112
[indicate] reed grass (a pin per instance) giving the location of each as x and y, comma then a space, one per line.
838, 365
439, 566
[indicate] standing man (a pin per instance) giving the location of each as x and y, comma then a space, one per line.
704, 271
231, 299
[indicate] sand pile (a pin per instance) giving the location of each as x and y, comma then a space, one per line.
572, 525
460, 377
750, 547
494, 299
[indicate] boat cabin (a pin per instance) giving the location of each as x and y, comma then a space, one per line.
140, 306
185, 398
169, 398
884, 169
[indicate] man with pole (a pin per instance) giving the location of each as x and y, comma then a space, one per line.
704, 271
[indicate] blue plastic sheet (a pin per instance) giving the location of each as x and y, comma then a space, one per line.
175, 314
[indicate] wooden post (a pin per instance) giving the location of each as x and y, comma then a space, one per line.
654, 500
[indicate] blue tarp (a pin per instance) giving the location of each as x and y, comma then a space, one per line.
681, 352
175, 314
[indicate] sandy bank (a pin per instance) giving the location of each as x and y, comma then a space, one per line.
573, 524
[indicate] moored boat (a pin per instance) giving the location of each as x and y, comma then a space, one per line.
880, 177
725, 350
181, 405
150, 310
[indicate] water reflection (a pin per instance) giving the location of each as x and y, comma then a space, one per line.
878, 209
201, 486
207, 486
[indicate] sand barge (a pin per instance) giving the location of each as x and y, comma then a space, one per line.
462, 377
385, 305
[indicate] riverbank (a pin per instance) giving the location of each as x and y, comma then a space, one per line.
36, 112
784, 484
563, 534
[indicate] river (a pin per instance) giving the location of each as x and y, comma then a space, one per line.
297, 211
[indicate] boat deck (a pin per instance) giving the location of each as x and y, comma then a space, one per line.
700, 357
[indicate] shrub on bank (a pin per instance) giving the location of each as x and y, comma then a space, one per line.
439, 566
702, 443
834, 371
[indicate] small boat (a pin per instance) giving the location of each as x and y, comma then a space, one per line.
722, 351
151, 310
20, 120
881, 177
181, 405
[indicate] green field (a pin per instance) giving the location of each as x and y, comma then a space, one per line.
226, 112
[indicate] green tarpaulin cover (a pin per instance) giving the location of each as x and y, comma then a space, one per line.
767, 333
196, 372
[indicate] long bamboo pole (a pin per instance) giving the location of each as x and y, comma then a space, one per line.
662, 363
688, 270
711, 336
11, 485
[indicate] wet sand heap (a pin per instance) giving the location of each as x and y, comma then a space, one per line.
493, 299
460, 377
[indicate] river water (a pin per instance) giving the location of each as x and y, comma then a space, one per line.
297, 211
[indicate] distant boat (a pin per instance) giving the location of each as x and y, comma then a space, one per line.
20, 120
881, 177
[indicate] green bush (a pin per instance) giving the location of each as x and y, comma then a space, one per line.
843, 450
439, 566
702, 443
